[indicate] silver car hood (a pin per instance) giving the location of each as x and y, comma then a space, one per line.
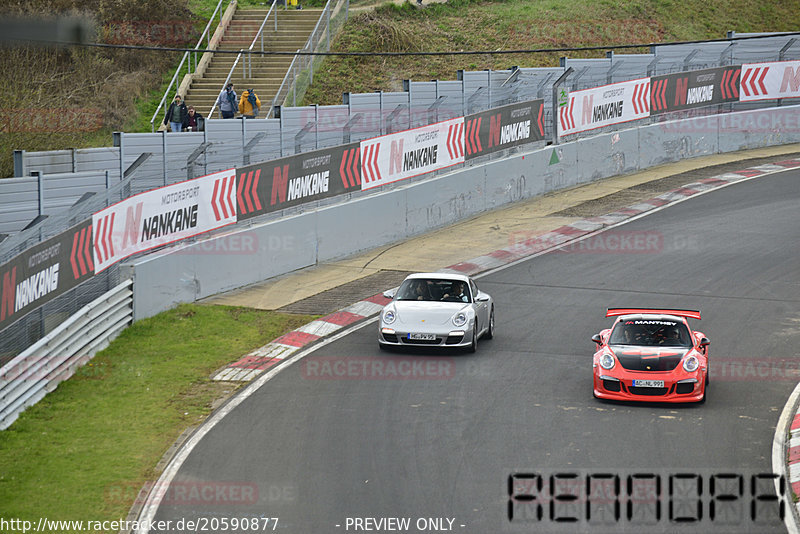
412, 312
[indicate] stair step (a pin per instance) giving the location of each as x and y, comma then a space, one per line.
267, 72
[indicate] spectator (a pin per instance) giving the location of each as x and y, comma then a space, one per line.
194, 122
227, 102
246, 107
176, 114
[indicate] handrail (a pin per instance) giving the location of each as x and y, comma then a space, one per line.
206, 34
310, 46
249, 60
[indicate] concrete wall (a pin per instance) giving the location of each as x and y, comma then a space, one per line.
248, 255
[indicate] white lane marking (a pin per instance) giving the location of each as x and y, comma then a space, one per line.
153, 500
159, 489
779, 457
678, 199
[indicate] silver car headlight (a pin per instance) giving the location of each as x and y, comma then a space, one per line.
389, 316
607, 361
460, 319
691, 364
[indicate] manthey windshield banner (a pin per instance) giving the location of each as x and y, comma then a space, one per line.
616, 103
766, 81
398, 156
504, 127
45, 271
163, 216
293, 180
685, 90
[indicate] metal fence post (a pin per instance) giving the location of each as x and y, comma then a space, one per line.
19, 163
381, 131
118, 142
558, 82
164, 154
205, 152
38, 175
108, 180
244, 137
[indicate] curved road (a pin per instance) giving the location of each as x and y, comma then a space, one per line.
314, 450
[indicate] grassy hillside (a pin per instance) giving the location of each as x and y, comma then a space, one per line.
71, 98
521, 24
57, 98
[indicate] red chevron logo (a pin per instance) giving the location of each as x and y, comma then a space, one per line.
349, 168
540, 120
729, 87
103, 246
221, 200
81, 255
369, 163
247, 192
752, 76
472, 142
658, 100
641, 91
565, 115
455, 142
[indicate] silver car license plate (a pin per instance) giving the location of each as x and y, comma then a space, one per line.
648, 383
422, 337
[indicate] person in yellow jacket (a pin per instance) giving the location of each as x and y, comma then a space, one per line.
249, 104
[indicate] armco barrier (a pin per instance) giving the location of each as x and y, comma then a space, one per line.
265, 250
54, 358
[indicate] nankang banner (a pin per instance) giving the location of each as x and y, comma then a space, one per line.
293, 180
503, 127
602, 106
693, 89
163, 216
398, 156
766, 81
45, 271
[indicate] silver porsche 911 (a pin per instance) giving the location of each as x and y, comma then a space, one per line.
436, 309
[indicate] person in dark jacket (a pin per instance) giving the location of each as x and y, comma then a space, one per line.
228, 102
176, 114
194, 122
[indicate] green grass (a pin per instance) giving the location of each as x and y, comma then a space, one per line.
520, 24
86, 449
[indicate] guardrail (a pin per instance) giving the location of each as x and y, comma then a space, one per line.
247, 64
30, 376
205, 35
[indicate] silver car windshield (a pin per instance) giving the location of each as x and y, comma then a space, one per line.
650, 332
431, 289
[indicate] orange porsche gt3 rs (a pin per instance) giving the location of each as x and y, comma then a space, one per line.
651, 355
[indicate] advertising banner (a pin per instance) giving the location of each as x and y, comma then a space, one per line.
401, 155
766, 81
293, 180
163, 216
504, 127
45, 271
685, 90
602, 106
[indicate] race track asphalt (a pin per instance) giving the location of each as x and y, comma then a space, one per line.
337, 436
